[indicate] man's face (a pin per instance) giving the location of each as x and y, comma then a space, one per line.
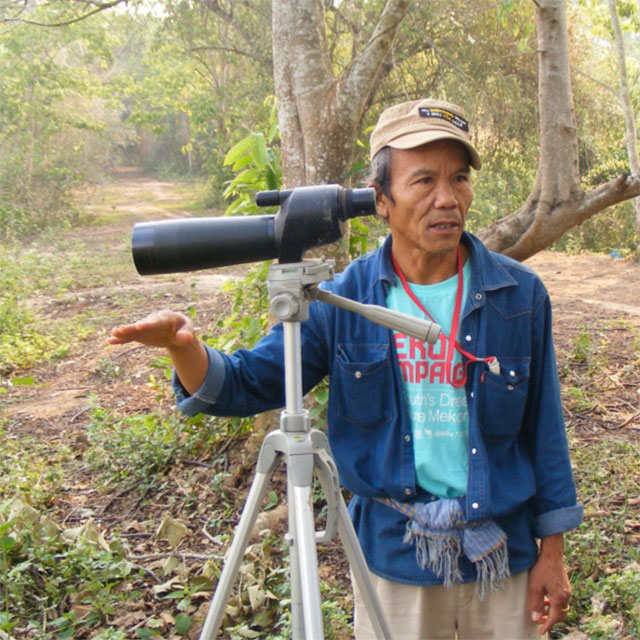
431, 190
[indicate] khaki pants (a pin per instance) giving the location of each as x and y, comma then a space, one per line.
434, 613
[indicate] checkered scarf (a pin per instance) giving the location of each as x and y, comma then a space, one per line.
441, 534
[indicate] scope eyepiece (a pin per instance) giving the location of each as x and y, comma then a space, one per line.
360, 202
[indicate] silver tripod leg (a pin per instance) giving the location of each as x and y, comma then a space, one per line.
306, 610
338, 518
267, 462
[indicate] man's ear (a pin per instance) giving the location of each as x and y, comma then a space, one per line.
382, 202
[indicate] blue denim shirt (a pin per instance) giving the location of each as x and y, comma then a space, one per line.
519, 468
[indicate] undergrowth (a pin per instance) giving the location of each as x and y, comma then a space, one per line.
27, 336
123, 537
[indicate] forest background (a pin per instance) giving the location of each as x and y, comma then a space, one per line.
184, 92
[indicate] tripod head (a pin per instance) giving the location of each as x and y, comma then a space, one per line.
293, 286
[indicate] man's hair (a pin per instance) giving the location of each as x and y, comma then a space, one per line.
380, 172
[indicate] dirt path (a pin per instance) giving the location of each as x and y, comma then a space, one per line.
94, 372
598, 281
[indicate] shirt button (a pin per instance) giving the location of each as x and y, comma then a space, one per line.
472, 394
478, 296
407, 438
512, 374
474, 451
510, 387
407, 492
358, 374
475, 505
468, 338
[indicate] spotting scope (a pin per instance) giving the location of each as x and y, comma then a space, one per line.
308, 217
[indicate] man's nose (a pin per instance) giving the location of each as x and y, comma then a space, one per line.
445, 195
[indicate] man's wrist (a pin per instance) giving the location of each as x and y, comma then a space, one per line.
191, 363
194, 347
552, 546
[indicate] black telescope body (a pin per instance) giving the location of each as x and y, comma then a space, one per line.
308, 217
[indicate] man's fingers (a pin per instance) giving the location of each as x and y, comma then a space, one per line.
538, 605
549, 614
122, 335
161, 329
557, 613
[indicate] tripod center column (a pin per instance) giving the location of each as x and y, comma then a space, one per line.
293, 368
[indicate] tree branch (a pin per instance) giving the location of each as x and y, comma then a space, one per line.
234, 50
608, 194
100, 7
366, 66
604, 85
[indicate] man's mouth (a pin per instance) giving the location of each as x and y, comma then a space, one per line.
444, 225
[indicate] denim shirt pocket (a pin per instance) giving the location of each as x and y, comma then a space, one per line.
362, 383
503, 397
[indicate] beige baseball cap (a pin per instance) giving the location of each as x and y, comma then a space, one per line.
411, 124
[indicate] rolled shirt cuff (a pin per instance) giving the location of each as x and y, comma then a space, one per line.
209, 390
557, 521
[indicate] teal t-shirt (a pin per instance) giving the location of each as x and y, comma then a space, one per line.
439, 416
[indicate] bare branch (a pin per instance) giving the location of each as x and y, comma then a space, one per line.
366, 66
604, 85
98, 8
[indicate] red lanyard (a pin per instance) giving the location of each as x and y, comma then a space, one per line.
452, 342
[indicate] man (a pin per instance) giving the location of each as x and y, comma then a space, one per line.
456, 452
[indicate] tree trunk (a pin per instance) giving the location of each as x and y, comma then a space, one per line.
627, 108
319, 113
557, 201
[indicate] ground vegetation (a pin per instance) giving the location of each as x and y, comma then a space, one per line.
115, 511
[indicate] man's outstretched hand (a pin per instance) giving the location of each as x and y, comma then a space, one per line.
172, 331
165, 329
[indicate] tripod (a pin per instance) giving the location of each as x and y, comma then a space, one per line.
291, 288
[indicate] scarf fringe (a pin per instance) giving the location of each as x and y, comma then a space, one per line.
438, 554
493, 571
441, 555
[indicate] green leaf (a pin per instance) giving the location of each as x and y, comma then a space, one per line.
272, 501
19, 568
250, 177
7, 543
356, 168
237, 151
272, 178
5, 621
242, 162
182, 623
258, 150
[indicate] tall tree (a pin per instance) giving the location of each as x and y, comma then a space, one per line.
627, 108
557, 201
